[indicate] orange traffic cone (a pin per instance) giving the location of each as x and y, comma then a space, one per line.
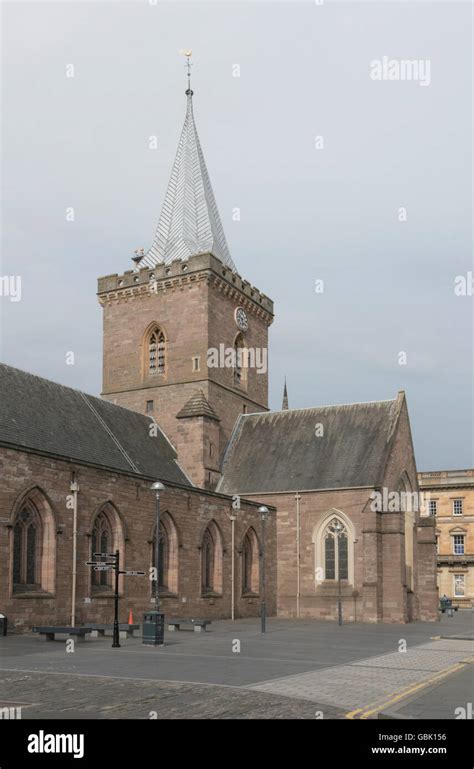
130, 618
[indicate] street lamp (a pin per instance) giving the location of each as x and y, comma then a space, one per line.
338, 530
157, 487
263, 515
74, 487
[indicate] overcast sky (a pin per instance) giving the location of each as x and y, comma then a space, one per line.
307, 214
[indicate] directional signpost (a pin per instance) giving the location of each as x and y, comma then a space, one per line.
115, 565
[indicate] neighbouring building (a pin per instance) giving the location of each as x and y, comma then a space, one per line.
450, 503
185, 401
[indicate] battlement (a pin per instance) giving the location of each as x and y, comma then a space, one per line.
165, 276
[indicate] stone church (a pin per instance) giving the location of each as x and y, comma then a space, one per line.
185, 401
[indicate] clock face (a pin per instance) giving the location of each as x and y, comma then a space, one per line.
241, 319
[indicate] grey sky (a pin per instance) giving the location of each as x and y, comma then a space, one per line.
306, 214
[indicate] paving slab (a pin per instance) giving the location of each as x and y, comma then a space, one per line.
305, 661
67, 696
373, 680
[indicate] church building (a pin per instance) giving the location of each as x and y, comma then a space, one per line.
185, 402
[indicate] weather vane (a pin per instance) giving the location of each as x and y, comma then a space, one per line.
188, 53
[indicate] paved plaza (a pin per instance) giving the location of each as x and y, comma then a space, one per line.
299, 669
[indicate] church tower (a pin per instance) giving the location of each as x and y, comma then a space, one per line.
185, 336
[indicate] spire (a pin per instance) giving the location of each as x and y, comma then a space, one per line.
284, 405
189, 222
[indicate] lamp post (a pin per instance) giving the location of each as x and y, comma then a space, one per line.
116, 634
157, 487
263, 515
232, 568
338, 529
74, 488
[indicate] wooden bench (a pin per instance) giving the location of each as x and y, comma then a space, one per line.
197, 624
50, 631
125, 630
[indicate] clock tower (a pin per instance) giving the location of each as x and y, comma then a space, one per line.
185, 336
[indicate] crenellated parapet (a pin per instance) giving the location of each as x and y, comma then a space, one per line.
181, 273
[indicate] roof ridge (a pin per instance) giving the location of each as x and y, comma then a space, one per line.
110, 433
315, 408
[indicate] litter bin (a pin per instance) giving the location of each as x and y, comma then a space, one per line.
153, 628
3, 625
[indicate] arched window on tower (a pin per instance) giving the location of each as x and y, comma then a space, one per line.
27, 537
241, 362
156, 352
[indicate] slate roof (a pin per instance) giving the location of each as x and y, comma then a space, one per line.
280, 451
197, 406
189, 222
38, 414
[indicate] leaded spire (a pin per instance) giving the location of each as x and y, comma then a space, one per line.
284, 405
189, 222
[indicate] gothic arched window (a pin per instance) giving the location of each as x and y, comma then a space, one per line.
101, 542
250, 563
241, 363
168, 571
247, 565
335, 540
408, 505
156, 352
163, 559
211, 559
207, 562
27, 537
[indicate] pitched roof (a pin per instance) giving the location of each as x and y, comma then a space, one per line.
38, 414
189, 223
197, 406
282, 451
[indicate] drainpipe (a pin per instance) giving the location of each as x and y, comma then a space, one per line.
232, 568
74, 488
298, 547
